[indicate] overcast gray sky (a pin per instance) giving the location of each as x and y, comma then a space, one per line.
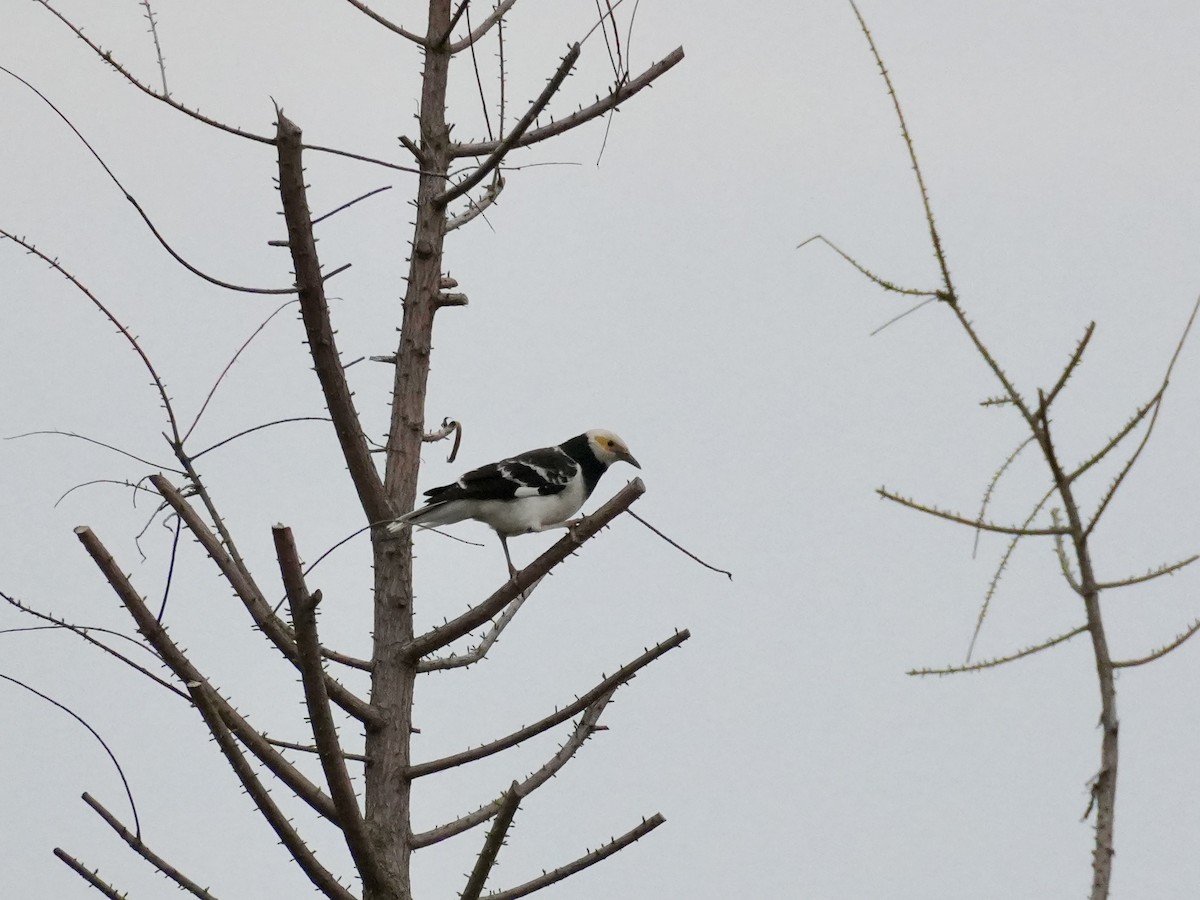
658, 294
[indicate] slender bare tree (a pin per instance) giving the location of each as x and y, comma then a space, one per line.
1059, 514
363, 740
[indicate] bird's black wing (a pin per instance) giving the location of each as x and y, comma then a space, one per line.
544, 471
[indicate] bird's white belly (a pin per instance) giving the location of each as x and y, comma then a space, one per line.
534, 513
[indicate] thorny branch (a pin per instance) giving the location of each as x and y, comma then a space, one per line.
206, 698
315, 311
513, 137
585, 114
486, 859
316, 700
443, 635
578, 865
607, 686
583, 730
139, 846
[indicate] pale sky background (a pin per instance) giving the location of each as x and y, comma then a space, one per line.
658, 294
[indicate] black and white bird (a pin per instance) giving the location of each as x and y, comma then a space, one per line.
532, 491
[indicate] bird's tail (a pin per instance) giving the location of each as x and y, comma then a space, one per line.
425, 517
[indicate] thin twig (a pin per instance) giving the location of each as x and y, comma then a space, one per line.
162, 63
1170, 569
1161, 651
962, 520
992, 663
681, 549
103, 743
229, 365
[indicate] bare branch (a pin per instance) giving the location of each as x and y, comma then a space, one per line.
1064, 563
229, 365
305, 748
974, 523
113, 320
607, 686
315, 311
243, 433
94, 733
871, 276
84, 437
588, 859
999, 661
477, 207
1132, 423
483, 28
1072, 364
1167, 569
444, 635
618, 96
324, 880
502, 148
996, 576
316, 700
83, 631
583, 730
477, 653
252, 598
679, 547
349, 203
158, 54
1161, 651
934, 236
139, 847
1149, 427
204, 695
390, 26
987, 494
92, 877
491, 847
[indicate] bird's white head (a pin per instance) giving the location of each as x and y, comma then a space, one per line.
608, 448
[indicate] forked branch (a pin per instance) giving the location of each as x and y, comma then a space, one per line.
583, 730
614, 99
510, 140
176, 660
607, 686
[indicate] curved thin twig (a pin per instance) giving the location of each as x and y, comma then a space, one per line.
113, 320
84, 437
78, 718
229, 365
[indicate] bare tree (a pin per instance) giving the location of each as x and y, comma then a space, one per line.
378, 830
1059, 514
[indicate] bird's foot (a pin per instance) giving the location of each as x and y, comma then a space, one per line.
572, 526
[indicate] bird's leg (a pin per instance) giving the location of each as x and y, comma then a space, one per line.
512, 570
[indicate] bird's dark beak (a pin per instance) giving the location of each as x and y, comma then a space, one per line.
628, 457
